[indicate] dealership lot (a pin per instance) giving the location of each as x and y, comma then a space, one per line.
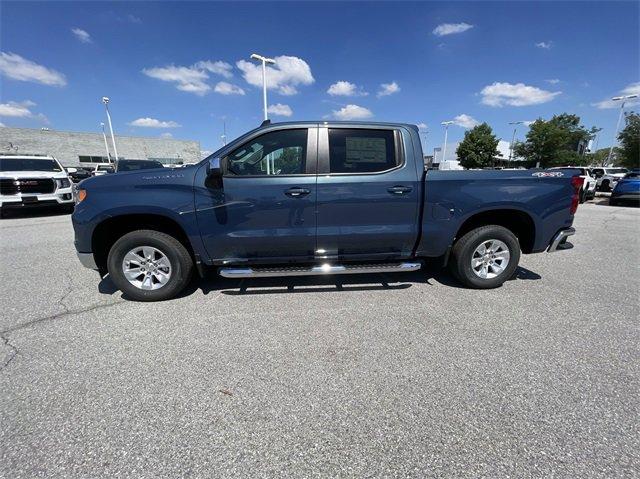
405, 375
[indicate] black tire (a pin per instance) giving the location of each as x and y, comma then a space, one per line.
582, 196
464, 248
605, 186
178, 256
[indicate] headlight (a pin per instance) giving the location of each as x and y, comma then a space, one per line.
63, 182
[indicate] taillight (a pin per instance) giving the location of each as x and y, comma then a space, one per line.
576, 182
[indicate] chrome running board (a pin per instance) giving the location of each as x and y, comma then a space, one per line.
324, 269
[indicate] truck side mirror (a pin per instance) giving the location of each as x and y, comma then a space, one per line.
214, 168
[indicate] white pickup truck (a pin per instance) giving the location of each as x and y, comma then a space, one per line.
33, 180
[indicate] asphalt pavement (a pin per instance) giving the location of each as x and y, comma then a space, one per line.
404, 375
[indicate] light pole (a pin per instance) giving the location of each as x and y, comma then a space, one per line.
224, 133
513, 138
105, 100
264, 60
106, 145
623, 99
446, 131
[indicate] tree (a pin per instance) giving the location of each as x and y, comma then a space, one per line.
555, 142
630, 141
479, 147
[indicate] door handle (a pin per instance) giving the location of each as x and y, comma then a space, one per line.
297, 192
399, 190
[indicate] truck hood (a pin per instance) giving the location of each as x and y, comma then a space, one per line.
32, 174
156, 176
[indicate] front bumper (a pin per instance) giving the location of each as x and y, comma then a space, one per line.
62, 196
87, 260
559, 241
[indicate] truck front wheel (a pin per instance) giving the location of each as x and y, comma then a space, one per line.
485, 257
147, 265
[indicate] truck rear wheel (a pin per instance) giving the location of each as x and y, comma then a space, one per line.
148, 265
485, 257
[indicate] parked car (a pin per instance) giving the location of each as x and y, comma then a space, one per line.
77, 174
100, 169
132, 165
307, 198
626, 190
588, 190
608, 177
31, 181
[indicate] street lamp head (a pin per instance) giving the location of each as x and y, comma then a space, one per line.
516, 122
447, 123
260, 58
105, 99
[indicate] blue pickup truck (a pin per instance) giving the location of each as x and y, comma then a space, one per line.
314, 198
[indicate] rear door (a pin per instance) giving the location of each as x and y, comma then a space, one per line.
265, 208
368, 193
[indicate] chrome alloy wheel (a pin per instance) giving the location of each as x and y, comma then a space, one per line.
490, 259
146, 267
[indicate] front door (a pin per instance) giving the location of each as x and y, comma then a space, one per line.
367, 193
265, 207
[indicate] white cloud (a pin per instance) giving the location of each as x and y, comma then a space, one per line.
219, 68
501, 94
345, 88
280, 110
187, 78
19, 68
17, 109
545, 45
631, 89
352, 112
82, 35
553, 81
284, 76
465, 121
388, 89
166, 135
132, 18
225, 88
14, 109
153, 123
191, 79
422, 126
2, 125
451, 28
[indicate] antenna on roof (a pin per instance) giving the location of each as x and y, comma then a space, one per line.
265, 122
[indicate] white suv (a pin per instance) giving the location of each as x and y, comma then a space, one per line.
589, 183
32, 180
608, 177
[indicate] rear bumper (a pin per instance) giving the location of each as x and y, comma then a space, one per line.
559, 241
87, 260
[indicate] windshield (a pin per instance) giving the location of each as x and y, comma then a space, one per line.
29, 164
615, 171
131, 165
633, 174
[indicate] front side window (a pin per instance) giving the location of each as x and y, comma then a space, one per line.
361, 151
280, 152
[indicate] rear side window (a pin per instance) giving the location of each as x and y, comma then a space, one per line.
361, 151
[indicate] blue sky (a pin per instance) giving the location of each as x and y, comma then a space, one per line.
178, 69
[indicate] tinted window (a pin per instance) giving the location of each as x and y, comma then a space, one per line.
130, 165
276, 153
26, 164
361, 151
